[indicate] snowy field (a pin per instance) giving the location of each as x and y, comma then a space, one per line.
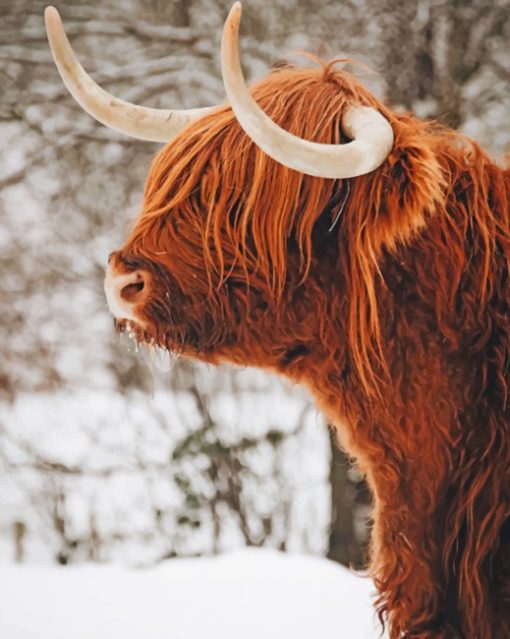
257, 594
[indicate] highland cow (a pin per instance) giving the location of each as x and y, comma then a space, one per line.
308, 229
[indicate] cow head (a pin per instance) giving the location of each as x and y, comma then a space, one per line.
255, 214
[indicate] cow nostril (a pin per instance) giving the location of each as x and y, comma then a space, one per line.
131, 292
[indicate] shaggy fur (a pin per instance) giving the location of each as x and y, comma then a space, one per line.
387, 295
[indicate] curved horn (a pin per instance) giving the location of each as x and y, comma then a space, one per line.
157, 125
371, 133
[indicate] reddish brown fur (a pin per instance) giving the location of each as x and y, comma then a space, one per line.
396, 319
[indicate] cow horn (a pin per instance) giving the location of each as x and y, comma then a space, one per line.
371, 133
157, 125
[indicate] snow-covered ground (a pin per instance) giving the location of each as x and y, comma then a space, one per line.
257, 594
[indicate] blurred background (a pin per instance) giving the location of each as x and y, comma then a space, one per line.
108, 454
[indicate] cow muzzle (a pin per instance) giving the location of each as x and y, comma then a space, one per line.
125, 291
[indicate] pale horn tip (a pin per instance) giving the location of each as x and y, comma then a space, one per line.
51, 16
235, 12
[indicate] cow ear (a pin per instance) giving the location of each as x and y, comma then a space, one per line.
391, 205
385, 209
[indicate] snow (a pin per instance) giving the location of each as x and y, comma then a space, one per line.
114, 452
251, 594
